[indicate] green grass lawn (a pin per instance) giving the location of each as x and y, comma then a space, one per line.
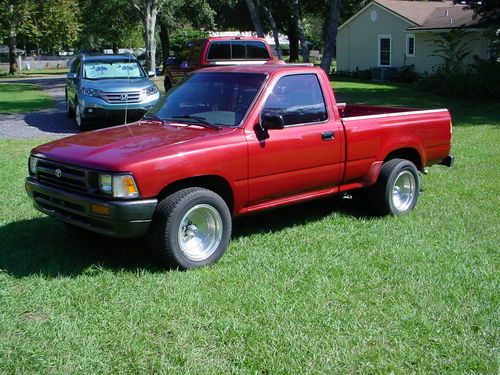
317, 288
34, 73
23, 97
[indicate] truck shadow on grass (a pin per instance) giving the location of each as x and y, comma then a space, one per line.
48, 248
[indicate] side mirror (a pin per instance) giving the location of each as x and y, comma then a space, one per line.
71, 76
271, 121
151, 73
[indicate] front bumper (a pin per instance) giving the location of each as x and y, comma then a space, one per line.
94, 108
125, 218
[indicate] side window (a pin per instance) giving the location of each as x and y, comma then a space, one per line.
257, 50
298, 98
195, 53
219, 51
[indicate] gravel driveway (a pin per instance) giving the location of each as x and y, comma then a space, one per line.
47, 123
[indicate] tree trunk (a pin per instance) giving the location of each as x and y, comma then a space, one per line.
148, 9
254, 14
304, 51
331, 36
293, 39
115, 47
165, 43
13, 68
270, 18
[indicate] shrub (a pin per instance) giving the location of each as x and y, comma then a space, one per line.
406, 74
478, 81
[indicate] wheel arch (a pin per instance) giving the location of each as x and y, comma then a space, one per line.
407, 153
217, 184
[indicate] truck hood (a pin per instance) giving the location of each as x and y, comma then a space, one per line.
116, 148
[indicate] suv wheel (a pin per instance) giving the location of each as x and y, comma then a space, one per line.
70, 112
81, 123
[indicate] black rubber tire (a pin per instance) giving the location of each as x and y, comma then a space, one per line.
167, 83
84, 123
381, 194
70, 112
163, 232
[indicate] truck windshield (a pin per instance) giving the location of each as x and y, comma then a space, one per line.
217, 98
112, 69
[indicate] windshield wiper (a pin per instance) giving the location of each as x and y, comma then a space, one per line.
199, 120
153, 118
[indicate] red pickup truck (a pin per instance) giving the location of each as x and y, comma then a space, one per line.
214, 51
230, 141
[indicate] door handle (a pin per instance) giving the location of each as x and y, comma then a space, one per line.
327, 136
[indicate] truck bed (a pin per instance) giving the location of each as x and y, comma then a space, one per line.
358, 110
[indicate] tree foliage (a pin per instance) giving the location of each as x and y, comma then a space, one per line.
109, 24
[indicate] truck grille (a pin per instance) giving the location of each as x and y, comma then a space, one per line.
62, 176
123, 97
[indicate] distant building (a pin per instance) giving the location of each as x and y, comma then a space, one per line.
394, 33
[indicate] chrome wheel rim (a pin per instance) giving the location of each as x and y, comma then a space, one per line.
77, 116
403, 191
200, 232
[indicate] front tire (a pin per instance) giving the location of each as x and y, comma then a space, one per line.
190, 228
81, 123
70, 112
397, 188
167, 83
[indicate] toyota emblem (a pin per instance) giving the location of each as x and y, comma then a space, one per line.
58, 173
123, 97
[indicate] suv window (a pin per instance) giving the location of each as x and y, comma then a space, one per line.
237, 50
298, 98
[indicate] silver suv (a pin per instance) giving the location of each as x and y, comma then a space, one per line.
103, 88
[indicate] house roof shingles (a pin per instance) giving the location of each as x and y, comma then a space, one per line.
431, 14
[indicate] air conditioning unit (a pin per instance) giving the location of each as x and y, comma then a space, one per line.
382, 74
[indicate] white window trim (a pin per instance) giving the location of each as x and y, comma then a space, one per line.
408, 36
388, 36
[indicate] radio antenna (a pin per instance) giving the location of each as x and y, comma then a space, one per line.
128, 83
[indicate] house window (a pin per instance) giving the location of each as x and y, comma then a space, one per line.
384, 50
410, 45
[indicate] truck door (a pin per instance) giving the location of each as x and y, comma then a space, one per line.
303, 157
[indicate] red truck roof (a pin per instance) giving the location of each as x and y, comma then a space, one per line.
268, 68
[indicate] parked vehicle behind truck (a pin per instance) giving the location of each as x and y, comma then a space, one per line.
103, 88
231, 141
214, 51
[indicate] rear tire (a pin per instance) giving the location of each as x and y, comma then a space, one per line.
190, 228
397, 188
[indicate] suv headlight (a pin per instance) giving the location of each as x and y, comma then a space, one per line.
32, 164
91, 92
118, 185
151, 90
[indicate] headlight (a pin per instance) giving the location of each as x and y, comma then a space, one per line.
33, 162
151, 90
91, 92
118, 186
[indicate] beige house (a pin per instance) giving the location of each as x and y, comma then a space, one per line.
395, 33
